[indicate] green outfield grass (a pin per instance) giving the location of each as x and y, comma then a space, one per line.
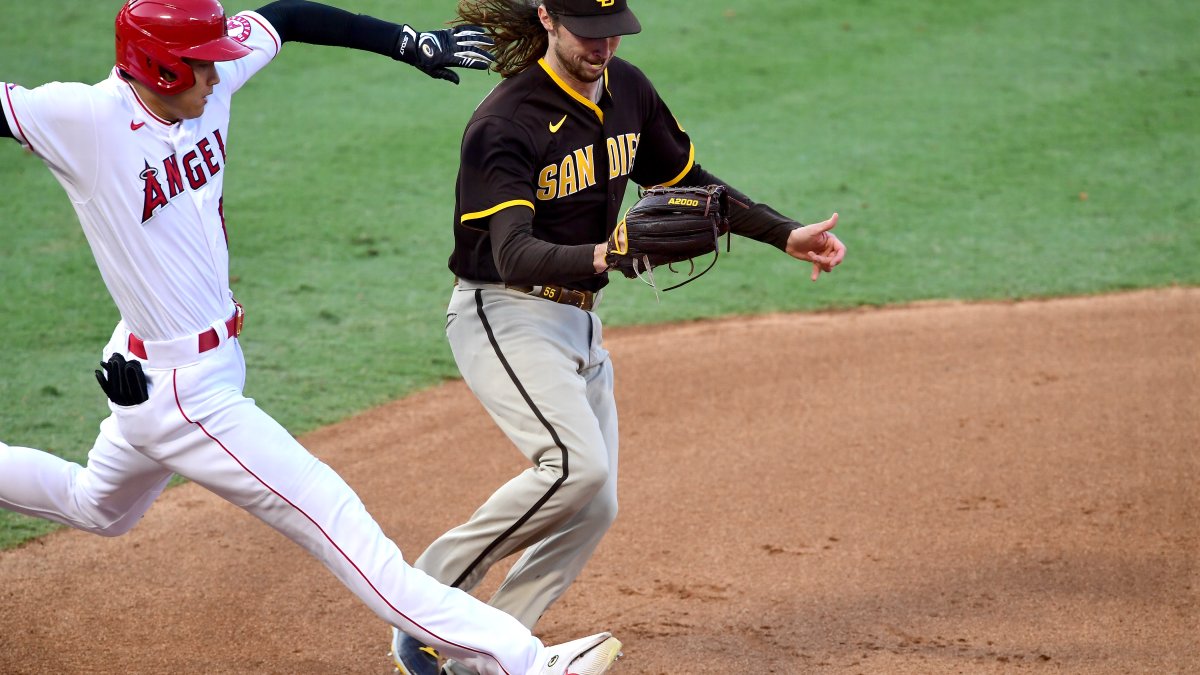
974, 150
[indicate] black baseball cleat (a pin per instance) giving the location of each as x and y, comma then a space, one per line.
413, 658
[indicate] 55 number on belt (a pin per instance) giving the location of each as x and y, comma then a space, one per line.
566, 296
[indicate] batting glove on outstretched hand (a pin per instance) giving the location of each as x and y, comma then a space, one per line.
436, 52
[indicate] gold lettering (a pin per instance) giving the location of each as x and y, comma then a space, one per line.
547, 185
566, 182
623, 152
587, 173
606, 3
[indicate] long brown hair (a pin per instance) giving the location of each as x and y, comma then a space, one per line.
520, 37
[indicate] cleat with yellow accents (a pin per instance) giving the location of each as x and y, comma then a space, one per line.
413, 658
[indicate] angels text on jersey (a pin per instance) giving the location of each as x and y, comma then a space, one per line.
197, 166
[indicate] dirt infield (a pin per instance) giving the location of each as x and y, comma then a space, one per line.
946, 488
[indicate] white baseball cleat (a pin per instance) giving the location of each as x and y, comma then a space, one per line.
586, 656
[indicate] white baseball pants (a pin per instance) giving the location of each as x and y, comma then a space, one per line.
199, 425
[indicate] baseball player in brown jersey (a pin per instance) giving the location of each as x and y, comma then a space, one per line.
545, 162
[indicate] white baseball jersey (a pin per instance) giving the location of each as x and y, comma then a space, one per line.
122, 164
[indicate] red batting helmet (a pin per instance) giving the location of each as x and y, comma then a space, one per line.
154, 36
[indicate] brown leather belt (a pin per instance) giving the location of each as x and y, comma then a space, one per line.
584, 300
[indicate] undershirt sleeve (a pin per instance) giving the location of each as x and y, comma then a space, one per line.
317, 24
4, 131
522, 258
746, 218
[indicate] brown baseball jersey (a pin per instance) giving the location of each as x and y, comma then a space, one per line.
536, 144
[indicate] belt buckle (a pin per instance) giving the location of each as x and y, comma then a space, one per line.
239, 319
578, 298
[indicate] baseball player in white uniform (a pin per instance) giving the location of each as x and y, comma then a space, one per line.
142, 157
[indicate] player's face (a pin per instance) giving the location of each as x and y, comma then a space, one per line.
583, 58
189, 104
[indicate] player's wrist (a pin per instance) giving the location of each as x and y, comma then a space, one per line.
406, 45
600, 258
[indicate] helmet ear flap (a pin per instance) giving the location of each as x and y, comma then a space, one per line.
161, 70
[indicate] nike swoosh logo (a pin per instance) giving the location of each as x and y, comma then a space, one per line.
555, 127
134, 126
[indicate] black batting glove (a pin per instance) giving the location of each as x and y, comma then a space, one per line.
123, 381
436, 52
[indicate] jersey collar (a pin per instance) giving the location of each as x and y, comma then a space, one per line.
150, 114
571, 92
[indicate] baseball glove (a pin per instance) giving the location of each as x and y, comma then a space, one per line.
669, 225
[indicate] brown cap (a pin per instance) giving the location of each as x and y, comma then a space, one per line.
595, 18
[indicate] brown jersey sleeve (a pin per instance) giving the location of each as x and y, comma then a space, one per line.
496, 171
664, 153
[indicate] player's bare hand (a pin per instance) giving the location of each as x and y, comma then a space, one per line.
436, 52
816, 244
